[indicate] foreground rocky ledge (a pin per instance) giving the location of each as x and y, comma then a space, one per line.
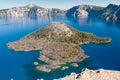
59, 44
100, 74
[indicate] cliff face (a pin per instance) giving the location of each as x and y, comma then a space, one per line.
81, 10
30, 10
111, 13
100, 74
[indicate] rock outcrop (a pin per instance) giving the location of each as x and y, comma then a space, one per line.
30, 10
100, 74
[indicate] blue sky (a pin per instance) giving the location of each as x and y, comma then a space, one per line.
62, 4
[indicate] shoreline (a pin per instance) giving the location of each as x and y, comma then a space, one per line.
44, 67
44, 60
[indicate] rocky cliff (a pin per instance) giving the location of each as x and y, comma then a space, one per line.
30, 10
81, 10
111, 13
100, 74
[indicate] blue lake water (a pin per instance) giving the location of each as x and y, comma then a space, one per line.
19, 65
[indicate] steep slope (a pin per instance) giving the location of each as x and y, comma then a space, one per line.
82, 10
111, 13
59, 44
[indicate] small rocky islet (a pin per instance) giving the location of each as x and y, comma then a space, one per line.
59, 44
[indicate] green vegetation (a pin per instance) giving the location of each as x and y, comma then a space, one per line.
77, 36
71, 52
41, 34
51, 58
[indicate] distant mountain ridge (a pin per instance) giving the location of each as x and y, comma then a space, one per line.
81, 10
30, 10
111, 13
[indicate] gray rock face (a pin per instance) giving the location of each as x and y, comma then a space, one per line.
110, 13
81, 10
30, 10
